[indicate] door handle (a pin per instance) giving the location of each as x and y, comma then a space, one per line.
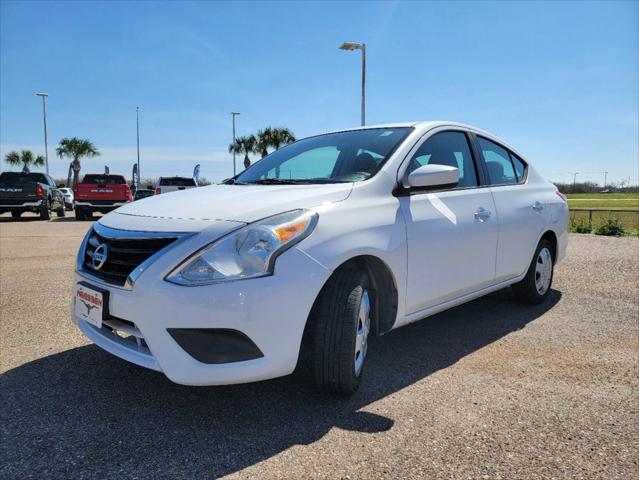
482, 215
537, 206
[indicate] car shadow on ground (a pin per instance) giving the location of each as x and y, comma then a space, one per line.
85, 413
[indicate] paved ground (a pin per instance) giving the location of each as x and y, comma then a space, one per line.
488, 390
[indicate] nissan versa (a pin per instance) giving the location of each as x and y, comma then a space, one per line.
314, 248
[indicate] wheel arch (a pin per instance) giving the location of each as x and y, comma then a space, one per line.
383, 282
551, 236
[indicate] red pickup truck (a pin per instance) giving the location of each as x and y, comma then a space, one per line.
98, 192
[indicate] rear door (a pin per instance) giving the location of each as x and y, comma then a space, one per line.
451, 234
523, 215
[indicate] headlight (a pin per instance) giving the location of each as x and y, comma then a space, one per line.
248, 252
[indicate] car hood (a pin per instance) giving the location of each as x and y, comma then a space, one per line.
197, 208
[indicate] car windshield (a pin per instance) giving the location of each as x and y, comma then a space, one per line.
333, 158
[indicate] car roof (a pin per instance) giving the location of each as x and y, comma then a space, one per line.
422, 127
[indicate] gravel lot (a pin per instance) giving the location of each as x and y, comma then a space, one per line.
490, 389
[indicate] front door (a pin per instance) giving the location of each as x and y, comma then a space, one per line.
451, 235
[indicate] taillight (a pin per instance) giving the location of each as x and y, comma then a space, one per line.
562, 196
129, 197
39, 190
157, 190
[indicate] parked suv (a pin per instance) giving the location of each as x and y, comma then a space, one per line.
171, 184
313, 248
100, 192
68, 197
30, 192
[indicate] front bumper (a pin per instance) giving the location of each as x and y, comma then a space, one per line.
271, 311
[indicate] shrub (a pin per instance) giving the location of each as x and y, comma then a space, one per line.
612, 227
581, 226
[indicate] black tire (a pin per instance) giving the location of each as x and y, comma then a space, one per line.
526, 291
335, 321
79, 213
45, 210
60, 212
16, 214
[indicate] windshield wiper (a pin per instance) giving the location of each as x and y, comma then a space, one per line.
297, 181
276, 181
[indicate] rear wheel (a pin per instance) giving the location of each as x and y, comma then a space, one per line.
60, 212
535, 286
79, 213
45, 210
342, 323
16, 213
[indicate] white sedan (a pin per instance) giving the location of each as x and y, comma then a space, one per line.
313, 248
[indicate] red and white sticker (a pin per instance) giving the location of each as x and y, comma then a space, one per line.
89, 305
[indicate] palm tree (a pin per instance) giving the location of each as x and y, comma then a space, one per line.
264, 140
281, 137
25, 158
76, 148
245, 145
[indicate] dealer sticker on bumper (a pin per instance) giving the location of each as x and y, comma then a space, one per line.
89, 305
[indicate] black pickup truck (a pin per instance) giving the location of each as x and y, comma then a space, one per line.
30, 192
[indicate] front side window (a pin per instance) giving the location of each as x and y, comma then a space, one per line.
333, 158
500, 168
447, 148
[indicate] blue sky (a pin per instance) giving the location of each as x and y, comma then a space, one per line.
559, 81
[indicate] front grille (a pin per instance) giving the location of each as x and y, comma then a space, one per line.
123, 255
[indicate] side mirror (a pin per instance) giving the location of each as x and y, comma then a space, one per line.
434, 176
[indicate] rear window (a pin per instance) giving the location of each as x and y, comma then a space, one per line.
19, 177
103, 179
177, 182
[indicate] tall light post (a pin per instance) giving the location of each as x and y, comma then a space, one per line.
362, 47
234, 114
137, 128
574, 181
605, 179
44, 112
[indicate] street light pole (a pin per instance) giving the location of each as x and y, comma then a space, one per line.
574, 181
605, 179
234, 114
44, 112
359, 46
137, 128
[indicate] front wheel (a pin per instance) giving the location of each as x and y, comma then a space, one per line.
16, 213
342, 321
60, 212
535, 286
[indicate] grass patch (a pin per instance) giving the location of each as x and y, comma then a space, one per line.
620, 204
603, 195
629, 221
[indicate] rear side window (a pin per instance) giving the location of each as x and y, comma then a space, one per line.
520, 167
103, 179
500, 168
18, 178
447, 148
